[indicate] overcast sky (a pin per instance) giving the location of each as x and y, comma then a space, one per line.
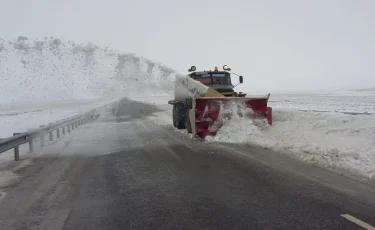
275, 45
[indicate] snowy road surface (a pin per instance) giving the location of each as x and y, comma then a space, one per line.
126, 172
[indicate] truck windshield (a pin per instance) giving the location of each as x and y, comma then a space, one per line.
213, 78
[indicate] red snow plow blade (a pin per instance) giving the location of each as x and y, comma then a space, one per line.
210, 112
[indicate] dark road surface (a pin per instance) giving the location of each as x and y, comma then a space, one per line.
154, 178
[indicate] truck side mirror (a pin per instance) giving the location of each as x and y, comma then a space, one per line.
241, 79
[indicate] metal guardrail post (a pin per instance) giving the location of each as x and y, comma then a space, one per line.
16, 150
68, 128
63, 130
42, 139
31, 143
58, 133
50, 134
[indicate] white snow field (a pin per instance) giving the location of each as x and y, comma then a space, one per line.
335, 101
51, 79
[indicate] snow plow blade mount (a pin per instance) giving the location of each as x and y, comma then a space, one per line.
207, 113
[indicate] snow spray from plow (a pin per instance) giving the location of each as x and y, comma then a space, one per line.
209, 113
201, 108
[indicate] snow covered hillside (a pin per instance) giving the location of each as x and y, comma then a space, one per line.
51, 71
54, 69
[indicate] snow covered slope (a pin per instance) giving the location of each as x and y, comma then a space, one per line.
53, 69
50, 79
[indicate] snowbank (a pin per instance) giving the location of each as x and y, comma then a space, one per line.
330, 140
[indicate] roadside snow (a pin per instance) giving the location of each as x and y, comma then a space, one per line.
330, 140
325, 139
164, 117
9, 176
154, 100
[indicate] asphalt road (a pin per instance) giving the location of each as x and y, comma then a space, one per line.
125, 172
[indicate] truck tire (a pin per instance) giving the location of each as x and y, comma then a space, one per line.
189, 105
179, 116
174, 116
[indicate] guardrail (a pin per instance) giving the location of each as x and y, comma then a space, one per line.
64, 125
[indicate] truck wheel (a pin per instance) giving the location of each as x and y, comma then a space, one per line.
174, 116
179, 116
188, 123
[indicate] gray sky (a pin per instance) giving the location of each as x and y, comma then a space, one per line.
275, 45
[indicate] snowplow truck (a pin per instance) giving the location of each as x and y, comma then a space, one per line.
204, 100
